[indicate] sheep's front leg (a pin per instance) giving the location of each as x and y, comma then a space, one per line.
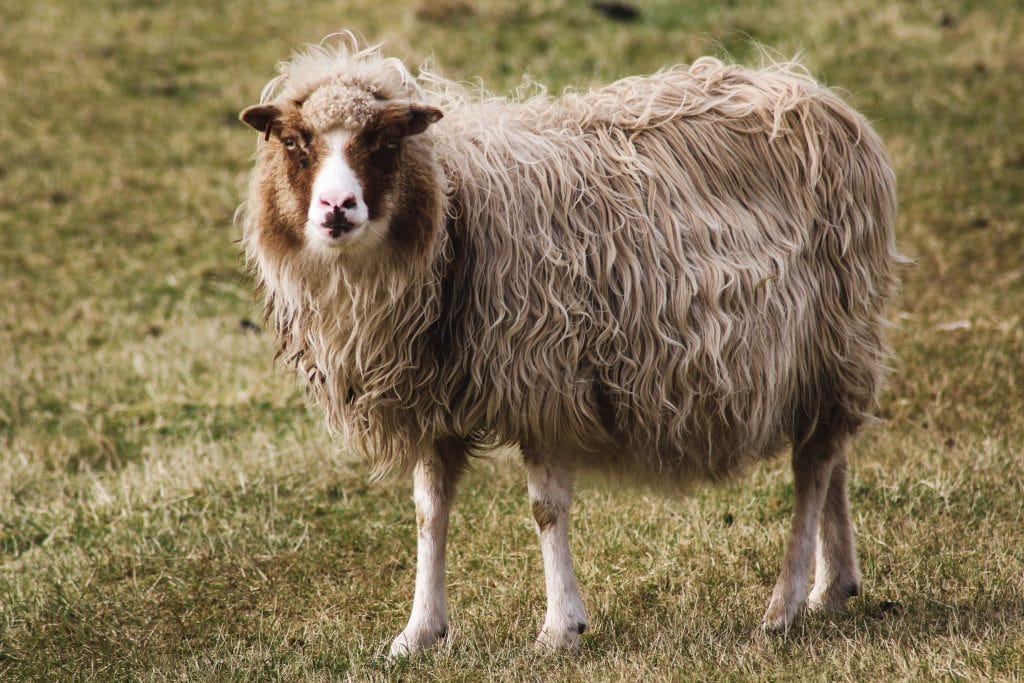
550, 490
434, 479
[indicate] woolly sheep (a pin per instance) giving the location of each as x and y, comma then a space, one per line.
665, 278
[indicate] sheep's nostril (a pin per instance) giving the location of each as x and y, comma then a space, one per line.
338, 199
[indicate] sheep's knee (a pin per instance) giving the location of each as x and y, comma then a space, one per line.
550, 489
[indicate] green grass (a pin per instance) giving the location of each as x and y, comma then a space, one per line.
169, 508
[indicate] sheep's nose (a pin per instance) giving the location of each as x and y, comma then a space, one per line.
344, 201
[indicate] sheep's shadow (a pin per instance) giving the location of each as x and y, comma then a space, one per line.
872, 618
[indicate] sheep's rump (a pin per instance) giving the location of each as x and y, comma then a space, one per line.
673, 274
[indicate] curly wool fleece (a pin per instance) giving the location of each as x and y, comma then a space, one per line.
339, 101
596, 277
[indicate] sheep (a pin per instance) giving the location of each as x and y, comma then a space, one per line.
664, 279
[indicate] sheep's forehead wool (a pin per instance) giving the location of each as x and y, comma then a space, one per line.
340, 101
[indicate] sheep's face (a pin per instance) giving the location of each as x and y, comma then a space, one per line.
341, 181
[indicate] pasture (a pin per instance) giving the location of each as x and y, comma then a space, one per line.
170, 509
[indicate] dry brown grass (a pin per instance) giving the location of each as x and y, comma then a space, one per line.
170, 510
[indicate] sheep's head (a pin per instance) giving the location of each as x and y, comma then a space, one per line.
344, 171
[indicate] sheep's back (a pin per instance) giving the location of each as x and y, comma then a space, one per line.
685, 268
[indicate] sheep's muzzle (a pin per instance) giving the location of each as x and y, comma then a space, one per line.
336, 223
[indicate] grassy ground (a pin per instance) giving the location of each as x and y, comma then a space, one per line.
169, 509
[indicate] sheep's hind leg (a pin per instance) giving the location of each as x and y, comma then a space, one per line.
434, 478
550, 489
813, 463
836, 576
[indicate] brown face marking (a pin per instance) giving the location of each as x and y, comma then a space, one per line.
277, 233
379, 154
296, 150
415, 212
288, 160
374, 155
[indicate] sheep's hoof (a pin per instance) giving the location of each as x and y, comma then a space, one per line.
410, 641
781, 615
832, 597
557, 638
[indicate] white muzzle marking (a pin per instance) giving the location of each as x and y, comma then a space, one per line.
337, 210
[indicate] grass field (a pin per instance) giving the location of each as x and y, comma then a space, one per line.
170, 509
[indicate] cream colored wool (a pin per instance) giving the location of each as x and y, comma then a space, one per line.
339, 101
670, 276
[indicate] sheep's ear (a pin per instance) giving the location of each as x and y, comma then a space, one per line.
410, 118
420, 116
261, 117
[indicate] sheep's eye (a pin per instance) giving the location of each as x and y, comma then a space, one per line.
391, 142
289, 144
